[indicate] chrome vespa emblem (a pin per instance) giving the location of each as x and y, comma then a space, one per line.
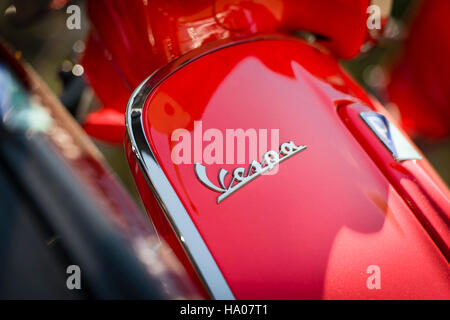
239, 179
390, 135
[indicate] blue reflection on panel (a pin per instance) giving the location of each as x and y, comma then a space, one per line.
391, 136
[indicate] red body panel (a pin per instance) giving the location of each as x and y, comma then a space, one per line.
417, 183
343, 204
419, 82
312, 229
129, 42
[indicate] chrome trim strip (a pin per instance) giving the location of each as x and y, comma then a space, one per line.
171, 205
169, 201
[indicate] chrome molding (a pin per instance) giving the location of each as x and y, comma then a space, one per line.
171, 205
169, 201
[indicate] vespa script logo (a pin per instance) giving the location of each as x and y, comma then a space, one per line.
240, 178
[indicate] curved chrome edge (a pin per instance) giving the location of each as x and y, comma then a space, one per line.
168, 200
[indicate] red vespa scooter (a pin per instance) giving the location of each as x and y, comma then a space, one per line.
267, 169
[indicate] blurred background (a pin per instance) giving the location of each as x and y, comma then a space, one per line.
38, 36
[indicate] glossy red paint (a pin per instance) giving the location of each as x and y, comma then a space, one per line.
420, 84
312, 229
106, 125
129, 42
416, 181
